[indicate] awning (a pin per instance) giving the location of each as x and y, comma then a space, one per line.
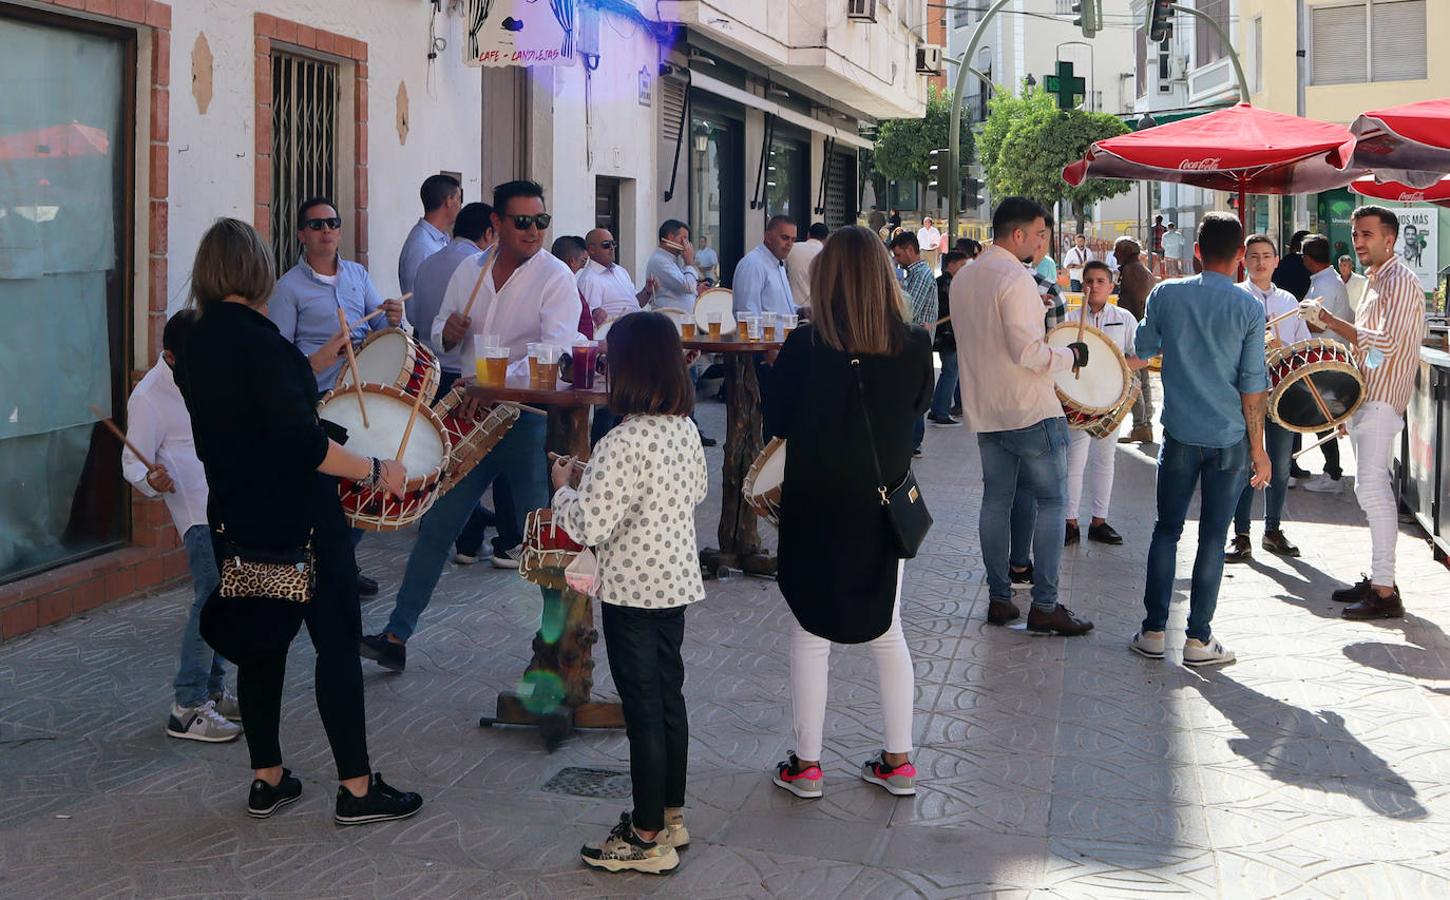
730, 92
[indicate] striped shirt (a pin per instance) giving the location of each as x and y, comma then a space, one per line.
1392, 320
920, 290
1051, 299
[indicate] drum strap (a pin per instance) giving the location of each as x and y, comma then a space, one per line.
905, 509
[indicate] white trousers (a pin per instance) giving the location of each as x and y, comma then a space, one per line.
810, 658
1372, 432
1095, 455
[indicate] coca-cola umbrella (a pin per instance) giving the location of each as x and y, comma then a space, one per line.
1241, 149
1408, 143
1437, 193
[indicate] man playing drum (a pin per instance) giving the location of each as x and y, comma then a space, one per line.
1387, 332
1215, 389
1261, 258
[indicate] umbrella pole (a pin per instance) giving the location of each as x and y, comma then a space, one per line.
1243, 221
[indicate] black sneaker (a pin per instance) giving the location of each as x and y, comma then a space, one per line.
366, 587
377, 647
1104, 533
707, 441
916, 453
1356, 592
1021, 581
263, 799
382, 804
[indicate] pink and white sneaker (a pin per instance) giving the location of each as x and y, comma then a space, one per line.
803, 782
900, 781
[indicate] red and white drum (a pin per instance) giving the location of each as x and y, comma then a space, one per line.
1314, 385
392, 356
547, 551
388, 411
762, 485
1100, 387
471, 440
1101, 425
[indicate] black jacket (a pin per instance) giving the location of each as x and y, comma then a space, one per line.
253, 404
945, 339
837, 563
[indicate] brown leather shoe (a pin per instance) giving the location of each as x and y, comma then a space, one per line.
1240, 550
1376, 607
1000, 612
1059, 621
1354, 593
1073, 535
1138, 434
1276, 543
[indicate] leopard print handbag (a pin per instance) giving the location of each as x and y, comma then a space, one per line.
286, 575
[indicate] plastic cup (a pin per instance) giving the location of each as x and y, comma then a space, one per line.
584, 353
767, 326
788, 324
549, 364
534, 363
495, 366
687, 330
714, 320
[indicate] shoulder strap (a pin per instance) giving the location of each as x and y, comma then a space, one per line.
870, 432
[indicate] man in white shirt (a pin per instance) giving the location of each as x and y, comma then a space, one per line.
1354, 283
1077, 256
521, 294
1326, 285
158, 425
798, 263
671, 268
761, 283
1173, 251
605, 284
707, 261
442, 198
928, 238
1261, 258
1008, 398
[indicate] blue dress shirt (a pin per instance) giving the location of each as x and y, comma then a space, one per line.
761, 284
429, 288
304, 308
422, 242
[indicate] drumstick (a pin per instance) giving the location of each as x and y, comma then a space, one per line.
1081, 327
943, 320
1318, 400
482, 274
1331, 436
352, 365
408, 431
528, 409
1277, 319
576, 463
106, 421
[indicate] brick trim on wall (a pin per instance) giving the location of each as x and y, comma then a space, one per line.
268, 28
155, 557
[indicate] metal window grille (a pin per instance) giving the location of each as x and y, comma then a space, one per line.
838, 190
304, 143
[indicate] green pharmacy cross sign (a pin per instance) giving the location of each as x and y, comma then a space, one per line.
1066, 87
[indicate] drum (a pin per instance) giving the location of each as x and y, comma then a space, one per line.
425, 458
1333, 371
715, 300
1101, 425
547, 551
392, 356
1099, 387
470, 441
762, 484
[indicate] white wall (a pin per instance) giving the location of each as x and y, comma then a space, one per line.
212, 166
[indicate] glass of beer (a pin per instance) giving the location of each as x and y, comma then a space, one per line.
767, 326
534, 363
495, 366
687, 329
787, 325
714, 319
585, 355
745, 324
548, 363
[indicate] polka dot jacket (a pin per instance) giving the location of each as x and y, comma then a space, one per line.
635, 506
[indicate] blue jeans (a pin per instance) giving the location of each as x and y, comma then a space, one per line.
520, 455
1280, 444
199, 674
946, 386
1024, 525
470, 539
1218, 474
1030, 462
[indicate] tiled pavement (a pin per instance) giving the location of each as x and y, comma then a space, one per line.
1317, 766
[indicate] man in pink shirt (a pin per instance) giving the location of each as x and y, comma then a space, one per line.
1009, 400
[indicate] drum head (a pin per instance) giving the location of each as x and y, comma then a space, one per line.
772, 470
1103, 382
387, 419
1297, 410
380, 358
716, 300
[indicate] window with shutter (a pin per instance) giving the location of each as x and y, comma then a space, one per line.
1337, 52
1398, 41
672, 108
1208, 46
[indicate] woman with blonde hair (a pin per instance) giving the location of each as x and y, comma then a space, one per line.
845, 392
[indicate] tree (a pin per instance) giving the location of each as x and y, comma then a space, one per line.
1026, 141
903, 146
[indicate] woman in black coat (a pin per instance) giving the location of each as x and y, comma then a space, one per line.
272, 472
839, 568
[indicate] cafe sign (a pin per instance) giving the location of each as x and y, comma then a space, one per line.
519, 33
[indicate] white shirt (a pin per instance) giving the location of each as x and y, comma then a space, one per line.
539, 303
928, 238
611, 289
1356, 287
1114, 321
1278, 301
1173, 243
707, 261
675, 282
1075, 258
1329, 288
798, 269
761, 284
636, 507
158, 424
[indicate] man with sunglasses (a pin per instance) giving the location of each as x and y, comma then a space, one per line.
605, 284
521, 294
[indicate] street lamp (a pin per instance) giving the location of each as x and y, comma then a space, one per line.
702, 138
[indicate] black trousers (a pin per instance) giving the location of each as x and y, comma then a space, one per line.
1331, 456
644, 658
258, 633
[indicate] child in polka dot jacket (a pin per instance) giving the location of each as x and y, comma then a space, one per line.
635, 505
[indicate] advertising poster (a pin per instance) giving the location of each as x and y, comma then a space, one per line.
1419, 244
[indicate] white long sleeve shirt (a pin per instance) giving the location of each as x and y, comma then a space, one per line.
1277, 302
1329, 288
158, 424
1114, 321
635, 506
610, 289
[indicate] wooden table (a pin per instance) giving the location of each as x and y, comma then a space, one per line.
563, 648
739, 532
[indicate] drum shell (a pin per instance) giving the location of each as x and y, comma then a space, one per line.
418, 370
1289, 366
547, 550
765, 503
470, 441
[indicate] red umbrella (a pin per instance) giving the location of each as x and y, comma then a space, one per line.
1241, 149
55, 141
1409, 143
1437, 193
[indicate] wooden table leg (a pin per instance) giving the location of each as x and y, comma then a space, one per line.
739, 530
569, 431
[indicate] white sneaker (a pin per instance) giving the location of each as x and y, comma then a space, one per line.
201, 723
1293, 482
226, 703
464, 559
508, 559
1147, 643
1323, 484
1196, 653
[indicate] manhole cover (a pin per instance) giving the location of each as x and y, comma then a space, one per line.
608, 784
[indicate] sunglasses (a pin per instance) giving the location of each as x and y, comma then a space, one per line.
522, 223
607, 245
335, 222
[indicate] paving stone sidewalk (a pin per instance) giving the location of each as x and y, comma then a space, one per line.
1317, 766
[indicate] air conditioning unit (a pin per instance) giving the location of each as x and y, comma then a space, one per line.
861, 10
929, 59
1178, 68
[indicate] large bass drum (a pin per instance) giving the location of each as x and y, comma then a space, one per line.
1100, 387
1333, 372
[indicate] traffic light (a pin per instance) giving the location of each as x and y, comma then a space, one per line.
1159, 23
972, 193
938, 160
1088, 15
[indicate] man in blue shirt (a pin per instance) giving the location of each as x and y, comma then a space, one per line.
1215, 390
442, 198
672, 268
761, 283
472, 234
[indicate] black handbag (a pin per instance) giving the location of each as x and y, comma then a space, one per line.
905, 510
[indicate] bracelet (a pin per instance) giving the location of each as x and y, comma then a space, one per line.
375, 473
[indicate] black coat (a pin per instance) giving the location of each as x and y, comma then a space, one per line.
837, 563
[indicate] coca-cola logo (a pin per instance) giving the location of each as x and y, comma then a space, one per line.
1199, 165
1412, 196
